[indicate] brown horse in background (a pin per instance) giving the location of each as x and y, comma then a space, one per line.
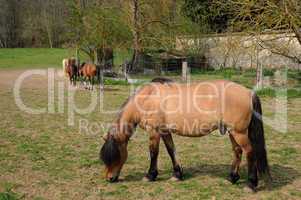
88, 72
70, 70
164, 108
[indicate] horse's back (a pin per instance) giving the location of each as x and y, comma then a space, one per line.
200, 105
89, 69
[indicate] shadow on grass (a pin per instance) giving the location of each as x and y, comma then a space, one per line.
108, 89
281, 175
135, 176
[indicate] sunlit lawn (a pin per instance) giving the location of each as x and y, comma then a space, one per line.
41, 157
22, 58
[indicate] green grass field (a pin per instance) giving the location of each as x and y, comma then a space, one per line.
41, 157
43, 58
32, 58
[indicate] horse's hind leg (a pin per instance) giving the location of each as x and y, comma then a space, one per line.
243, 141
234, 175
74, 80
154, 151
85, 83
169, 144
92, 81
70, 80
89, 87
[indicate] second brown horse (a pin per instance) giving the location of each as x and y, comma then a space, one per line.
88, 72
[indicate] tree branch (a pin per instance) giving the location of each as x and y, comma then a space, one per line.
294, 58
297, 32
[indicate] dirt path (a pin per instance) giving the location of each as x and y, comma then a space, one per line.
8, 78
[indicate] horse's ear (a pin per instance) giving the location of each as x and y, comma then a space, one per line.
128, 130
112, 131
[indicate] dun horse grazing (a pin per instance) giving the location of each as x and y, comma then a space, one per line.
71, 70
88, 71
164, 108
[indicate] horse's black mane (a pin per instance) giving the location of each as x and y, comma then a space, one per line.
162, 80
109, 152
81, 66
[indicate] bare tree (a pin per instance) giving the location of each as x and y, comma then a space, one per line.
278, 16
32, 23
136, 33
152, 24
9, 23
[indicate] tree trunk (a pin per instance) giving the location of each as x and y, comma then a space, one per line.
173, 10
135, 64
259, 71
137, 49
49, 35
105, 57
77, 57
12, 24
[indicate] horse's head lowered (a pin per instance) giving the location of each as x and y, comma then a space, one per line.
114, 151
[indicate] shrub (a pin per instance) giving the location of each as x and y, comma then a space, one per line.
252, 72
266, 92
115, 82
271, 92
293, 93
268, 72
225, 72
294, 74
249, 72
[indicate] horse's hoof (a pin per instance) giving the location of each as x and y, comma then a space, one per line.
234, 178
152, 175
146, 179
249, 189
175, 179
178, 172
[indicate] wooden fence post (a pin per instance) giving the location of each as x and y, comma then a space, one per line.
185, 71
125, 66
77, 57
95, 57
99, 70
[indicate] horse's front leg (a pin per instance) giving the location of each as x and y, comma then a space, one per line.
169, 144
74, 80
81, 81
85, 82
234, 174
154, 142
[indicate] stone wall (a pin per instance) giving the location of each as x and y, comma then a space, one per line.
241, 51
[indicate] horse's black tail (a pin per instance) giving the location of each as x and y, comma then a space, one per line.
256, 137
98, 74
